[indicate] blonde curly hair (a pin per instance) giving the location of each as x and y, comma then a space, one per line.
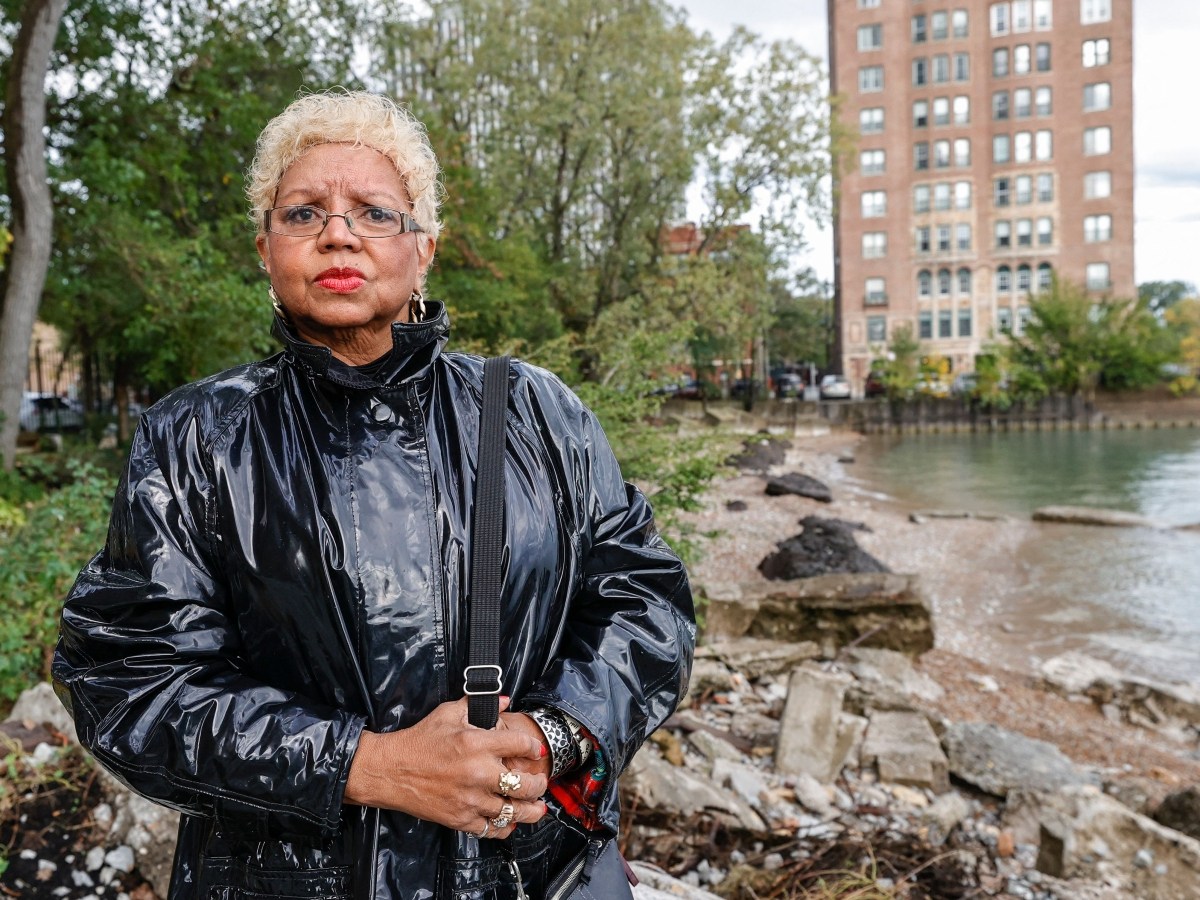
341, 116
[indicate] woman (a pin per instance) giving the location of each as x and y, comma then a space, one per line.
273, 638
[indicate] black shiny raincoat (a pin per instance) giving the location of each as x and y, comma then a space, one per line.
287, 564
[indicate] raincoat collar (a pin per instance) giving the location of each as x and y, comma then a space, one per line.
414, 348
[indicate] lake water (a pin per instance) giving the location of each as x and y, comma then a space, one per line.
1131, 595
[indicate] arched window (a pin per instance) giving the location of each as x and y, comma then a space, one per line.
1045, 276
924, 283
944, 281
1024, 278
964, 282
1004, 279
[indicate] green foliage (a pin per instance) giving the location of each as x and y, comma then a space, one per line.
900, 363
1160, 296
38, 564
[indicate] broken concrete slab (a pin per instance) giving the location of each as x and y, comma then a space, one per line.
998, 761
675, 793
809, 727
887, 680
755, 657
905, 751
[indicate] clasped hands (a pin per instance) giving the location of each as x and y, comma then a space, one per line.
445, 770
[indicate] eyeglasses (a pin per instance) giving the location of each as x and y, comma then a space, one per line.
364, 221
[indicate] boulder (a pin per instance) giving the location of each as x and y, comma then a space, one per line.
1181, 811
756, 657
824, 547
872, 610
905, 751
999, 761
1086, 515
1081, 833
39, 705
760, 453
674, 793
808, 730
799, 484
887, 680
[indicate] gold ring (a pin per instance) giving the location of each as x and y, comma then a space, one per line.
505, 818
509, 782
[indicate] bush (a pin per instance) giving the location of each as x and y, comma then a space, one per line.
38, 563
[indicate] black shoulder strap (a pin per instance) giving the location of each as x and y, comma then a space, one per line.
483, 677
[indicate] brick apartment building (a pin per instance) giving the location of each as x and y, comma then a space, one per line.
996, 148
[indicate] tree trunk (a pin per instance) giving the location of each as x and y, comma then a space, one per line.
29, 194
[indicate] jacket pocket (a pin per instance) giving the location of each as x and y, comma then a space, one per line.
231, 880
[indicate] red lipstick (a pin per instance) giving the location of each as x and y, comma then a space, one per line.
341, 281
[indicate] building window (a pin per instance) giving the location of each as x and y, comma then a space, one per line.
1045, 276
964, 323
871, 162
1024, 278
868, 4
962, 233
945, 323
1097, 185
1096, 275
1097, 52
1093, 11
874, 204
962, 67
870, 121
874, 244
1022, 103
943, 241
876, 293
1001, 148
1045, 188
1045, 231
939, 25
1003, 234
1042, 15
1021, 16
962, 195
1023, 189
921, 198
941, 154
924, 283
964, 282
999, 16
923, 245
921, 155
925, 325
1097, 228
1000, 191
945, 281
962, 152
1097, 96
1023, 146
1000, 105
920, 113
1043, 57
870, 79
920, 71
918, 29
941, 195
962, 110
1044, 103
1004, 279
941, 111
1024, 232
1097, 141
1000, 62
877, 328
1043, 146
941, 68
1004, 319
870, 37
1021, 59
958, 22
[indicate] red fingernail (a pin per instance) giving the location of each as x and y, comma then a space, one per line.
544, 750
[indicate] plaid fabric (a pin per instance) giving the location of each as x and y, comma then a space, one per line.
578, 792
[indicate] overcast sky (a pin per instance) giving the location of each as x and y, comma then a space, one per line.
1166, 36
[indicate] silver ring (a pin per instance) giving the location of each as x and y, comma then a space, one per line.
505, 818
487, 826
509, 782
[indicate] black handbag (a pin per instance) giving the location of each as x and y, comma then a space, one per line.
598, 872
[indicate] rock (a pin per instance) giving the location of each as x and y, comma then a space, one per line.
94, 859
757, 657
999, 761
1086, 515
1181, 811
800, 485
875, 609
909, 797
675, 793
945, 814
759, 454
749, 783
808, 730
670, 747
39, 705
760, 730
715, 748
887, 680
813, 796
709, 675
655, 884
736, 505
851, 731
824, 547
1081, 833
146, 828
904, 750
1142, 701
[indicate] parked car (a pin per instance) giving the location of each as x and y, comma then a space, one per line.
964, 384
874, 386
835, 387
788, 384
697, 389
742, 387
48, 412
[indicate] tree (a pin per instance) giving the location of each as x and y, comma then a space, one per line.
1160, 296
899, 363
29, 198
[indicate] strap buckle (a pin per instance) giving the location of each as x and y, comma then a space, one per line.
499, 674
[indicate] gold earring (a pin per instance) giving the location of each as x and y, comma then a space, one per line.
416, 307
275, 302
